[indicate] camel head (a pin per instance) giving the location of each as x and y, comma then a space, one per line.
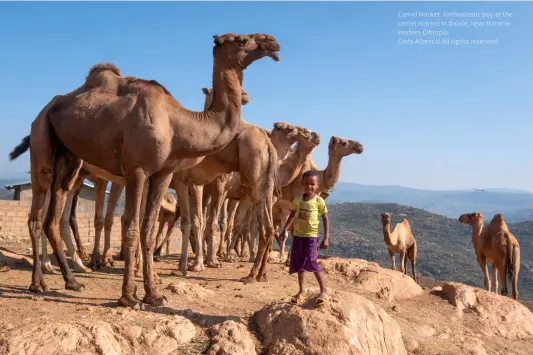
170, 198
239, 51
285, 131
385, 218
344, 147
208, 92
308, 138
471, 218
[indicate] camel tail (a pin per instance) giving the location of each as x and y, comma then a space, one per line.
513, 260
20, 149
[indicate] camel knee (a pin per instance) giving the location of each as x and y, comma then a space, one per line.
98, 222
108, 222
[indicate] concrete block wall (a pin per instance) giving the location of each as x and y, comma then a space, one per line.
14, 221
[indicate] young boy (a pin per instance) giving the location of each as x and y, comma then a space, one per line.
304, 249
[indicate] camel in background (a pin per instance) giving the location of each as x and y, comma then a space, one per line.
495, 244
401, 241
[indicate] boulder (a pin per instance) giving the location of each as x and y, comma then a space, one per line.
369, 276
501, 316
346, 324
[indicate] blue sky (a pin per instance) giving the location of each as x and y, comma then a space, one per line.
439, 117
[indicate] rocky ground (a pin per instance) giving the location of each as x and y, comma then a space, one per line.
371, 311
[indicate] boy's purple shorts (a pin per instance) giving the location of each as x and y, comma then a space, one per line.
304, 255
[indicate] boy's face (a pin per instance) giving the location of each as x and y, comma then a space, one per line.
310, 184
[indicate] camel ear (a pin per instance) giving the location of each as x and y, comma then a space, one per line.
206, 91
218, 40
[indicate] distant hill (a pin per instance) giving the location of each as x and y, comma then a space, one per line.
516, 205
444, 245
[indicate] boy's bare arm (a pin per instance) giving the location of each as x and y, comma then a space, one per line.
289, 222
325, 221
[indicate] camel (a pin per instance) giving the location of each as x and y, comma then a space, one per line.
401, 241
251, 153
137, 134
495, 244
338, 148
288, 171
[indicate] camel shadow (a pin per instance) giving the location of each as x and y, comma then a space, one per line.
199, 319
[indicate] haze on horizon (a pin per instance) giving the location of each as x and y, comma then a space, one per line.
429, 117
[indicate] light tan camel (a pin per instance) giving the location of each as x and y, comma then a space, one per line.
495, 244
338, 148
401, 241
112, 113
170, 219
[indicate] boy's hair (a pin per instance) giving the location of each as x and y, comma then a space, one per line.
310, 173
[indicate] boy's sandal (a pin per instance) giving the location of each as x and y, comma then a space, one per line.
298, 298
321, 299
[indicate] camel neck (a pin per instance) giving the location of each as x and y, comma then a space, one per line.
388, 235
332, 171
282, 146
219, 123
292, 165
476, 231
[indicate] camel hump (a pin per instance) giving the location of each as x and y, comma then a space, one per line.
100, 67
498, 219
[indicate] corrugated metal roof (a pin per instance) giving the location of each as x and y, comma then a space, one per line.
28, 182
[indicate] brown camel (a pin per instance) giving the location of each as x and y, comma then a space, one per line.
495, 244
338, 148
112, 113
402, 241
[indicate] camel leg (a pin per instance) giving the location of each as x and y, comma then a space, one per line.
283, 237
223, 228
232, 211
412, 253
46, 263
41, 181
130, 234
167, 247
494, 278
196, 225
244, 205
393, 263
65, 174
65, 235
158, 185
182, 191
112, 200
170, 230
502, 273
99, 195
403, 254
73, 219
217, 198
248, 237
159, 245
482, 261
516, 269
263, 211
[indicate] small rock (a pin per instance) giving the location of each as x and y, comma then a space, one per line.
37, 297
395, 308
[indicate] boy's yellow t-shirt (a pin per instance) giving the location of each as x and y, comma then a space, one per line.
306, 221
